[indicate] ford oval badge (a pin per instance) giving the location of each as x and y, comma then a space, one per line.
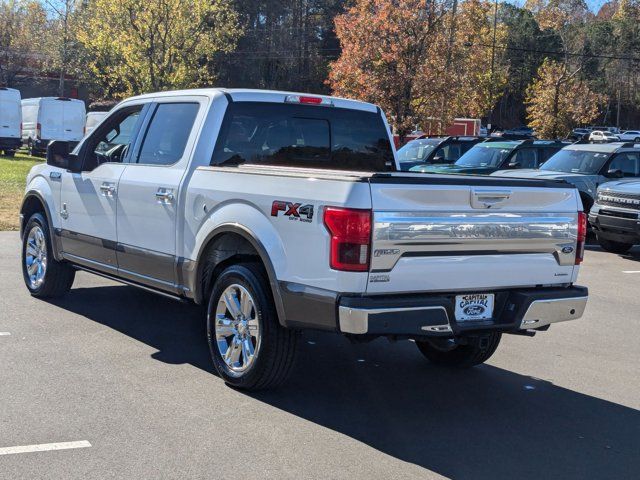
474, 310
567, 249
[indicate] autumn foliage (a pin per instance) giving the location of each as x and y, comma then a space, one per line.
558, 100
141, 46
420, 60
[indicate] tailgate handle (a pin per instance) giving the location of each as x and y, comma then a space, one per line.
489, 198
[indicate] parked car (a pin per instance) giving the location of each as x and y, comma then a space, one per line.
522, 130
491, 155
281, 212
587, 166
614, 130
615, 215
92, 120
602, 136
630, 136
579, 134
51, 118
10, 120
425, 151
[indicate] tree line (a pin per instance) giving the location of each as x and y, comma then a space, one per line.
551, 64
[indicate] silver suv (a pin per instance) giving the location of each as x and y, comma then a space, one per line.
615, 217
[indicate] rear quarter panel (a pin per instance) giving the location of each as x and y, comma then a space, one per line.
298, 246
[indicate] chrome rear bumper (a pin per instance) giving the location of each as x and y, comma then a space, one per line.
545, 312
515, 310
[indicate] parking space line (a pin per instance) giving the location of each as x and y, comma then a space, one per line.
44, 447
631, 271
5, 334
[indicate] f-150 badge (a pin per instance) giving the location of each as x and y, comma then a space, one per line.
295, 211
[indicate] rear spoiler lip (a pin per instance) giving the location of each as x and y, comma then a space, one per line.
466, 180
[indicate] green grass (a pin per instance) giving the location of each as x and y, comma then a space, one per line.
13, 176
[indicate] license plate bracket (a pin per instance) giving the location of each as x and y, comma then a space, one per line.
474, 306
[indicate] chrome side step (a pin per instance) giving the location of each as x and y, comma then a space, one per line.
130, 283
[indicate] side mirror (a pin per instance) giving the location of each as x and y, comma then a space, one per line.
514, 165
615, 173
58, 155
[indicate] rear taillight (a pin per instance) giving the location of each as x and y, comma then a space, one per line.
38, 130
582, 237
350, 231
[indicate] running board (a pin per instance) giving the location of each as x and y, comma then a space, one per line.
130, 283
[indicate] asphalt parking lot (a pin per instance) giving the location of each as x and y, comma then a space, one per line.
125, 375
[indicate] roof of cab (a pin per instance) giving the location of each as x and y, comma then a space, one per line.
27, 101
256, 95
599, 147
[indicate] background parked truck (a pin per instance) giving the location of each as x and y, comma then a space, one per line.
51, 118
10, 121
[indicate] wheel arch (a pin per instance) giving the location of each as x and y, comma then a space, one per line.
246, 245
34, 202
587, 201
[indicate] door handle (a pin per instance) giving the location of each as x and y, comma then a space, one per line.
165, 196
108, 189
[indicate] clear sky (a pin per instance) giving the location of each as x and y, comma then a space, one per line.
594, 5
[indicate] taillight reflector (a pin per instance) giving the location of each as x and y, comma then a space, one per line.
350, 231
582, 237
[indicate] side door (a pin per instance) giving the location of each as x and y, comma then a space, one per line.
149, 192
89, 198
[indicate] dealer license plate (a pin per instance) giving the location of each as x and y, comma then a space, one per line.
474, 306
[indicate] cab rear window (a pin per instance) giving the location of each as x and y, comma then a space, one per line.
303, 136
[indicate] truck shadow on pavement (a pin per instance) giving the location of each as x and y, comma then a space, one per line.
483, 423
633, 254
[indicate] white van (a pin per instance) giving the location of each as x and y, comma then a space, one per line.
93, 119
51, 118
10, 120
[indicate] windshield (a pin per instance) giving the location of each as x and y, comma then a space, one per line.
486, 155
576, 161
417, 150
303, 136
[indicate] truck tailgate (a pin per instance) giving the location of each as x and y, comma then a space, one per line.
458, 233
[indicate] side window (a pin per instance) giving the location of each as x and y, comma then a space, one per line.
449, 153
112, 141
525, 158
628, 162
168, 132
120, 134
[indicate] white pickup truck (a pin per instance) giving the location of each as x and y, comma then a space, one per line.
281, 212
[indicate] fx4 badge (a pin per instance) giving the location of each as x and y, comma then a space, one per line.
295, 211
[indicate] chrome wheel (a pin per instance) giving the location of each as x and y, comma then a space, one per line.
35, 257
237, 329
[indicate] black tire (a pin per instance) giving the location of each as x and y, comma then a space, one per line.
58, 276
613, 247
477, 351
276, 350
636, 140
